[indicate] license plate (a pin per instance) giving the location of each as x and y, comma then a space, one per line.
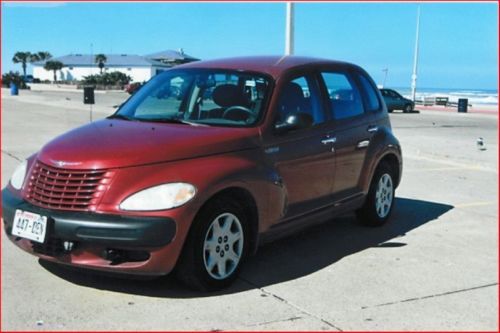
30, 225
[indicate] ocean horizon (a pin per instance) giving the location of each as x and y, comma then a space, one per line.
475, 96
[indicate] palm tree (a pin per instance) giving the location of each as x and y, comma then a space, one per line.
23, 58
40, 56
100, 59
53, 65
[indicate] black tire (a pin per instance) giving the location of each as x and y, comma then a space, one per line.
191, 269
389, 110
408, 108
368, 213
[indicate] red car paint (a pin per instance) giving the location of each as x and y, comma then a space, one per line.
287, 188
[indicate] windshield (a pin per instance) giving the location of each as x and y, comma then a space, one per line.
199, 96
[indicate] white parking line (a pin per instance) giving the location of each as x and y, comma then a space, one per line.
459, 165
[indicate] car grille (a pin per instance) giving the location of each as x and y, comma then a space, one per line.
66, 189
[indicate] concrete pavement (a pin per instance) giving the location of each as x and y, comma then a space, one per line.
433, 267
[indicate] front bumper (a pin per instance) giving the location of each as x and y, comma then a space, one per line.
105, 229
93, 233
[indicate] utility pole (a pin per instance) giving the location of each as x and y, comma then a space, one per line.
415, 59
385, 70
289, 34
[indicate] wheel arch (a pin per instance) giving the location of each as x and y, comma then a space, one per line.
393, 162
385, 149
248, 203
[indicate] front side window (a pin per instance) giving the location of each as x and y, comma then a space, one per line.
300, 96
210, 97
345, 100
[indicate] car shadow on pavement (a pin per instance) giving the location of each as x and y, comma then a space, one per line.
283, 260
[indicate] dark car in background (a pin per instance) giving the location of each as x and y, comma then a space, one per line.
395, 101
204, 163
28, 78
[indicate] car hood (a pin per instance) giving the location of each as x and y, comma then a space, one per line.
112, 143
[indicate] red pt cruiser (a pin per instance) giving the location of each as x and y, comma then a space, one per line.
203, 164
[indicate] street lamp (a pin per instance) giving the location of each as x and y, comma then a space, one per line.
415, 60
385, 70
289, 33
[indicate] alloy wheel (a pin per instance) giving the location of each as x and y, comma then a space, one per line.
384, 195
223, 246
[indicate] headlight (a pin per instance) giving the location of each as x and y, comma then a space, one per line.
17, 178
160, 197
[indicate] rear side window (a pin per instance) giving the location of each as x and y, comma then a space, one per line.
371, 96
345, 100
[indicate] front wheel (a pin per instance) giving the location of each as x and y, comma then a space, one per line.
215, 247
380, 199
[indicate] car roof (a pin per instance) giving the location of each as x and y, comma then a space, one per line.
271, 65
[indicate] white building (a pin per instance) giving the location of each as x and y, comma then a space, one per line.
139, 68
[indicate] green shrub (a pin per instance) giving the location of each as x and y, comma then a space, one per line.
107, 79
13, 77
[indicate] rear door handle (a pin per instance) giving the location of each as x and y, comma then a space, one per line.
363, 144
372, 128
329, 140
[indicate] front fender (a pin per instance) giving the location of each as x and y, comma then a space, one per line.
209, 175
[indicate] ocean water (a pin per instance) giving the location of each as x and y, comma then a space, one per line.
475, 96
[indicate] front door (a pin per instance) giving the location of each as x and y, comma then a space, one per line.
303, 158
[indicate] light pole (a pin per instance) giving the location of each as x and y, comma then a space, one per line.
385, 70
415, 59
289, 33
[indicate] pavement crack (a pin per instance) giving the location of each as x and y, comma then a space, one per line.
275, 321
281, 299
11, 155
431, 296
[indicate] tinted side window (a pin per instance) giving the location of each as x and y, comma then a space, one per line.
392, 94
345, 100
371, 95
300, 95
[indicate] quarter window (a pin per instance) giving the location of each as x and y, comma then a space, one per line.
345, 101
371, 96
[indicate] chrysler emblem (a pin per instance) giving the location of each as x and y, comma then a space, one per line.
62, 163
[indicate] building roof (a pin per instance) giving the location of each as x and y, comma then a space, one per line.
272, 65
112, 60
171, 56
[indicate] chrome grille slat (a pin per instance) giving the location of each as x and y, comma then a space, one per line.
65, 189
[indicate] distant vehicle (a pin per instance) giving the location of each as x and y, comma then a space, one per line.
395, 101
131, 88
28, 79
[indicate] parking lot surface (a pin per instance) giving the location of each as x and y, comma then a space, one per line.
434, 266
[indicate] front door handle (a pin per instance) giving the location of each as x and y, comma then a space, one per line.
372, 128
329, 140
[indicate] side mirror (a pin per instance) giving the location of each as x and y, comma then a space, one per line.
294, 121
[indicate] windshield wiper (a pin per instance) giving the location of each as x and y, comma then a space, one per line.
170, 121
119, 116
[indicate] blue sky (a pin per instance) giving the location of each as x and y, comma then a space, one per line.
458, 49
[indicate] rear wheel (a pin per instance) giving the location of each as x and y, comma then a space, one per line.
408, 108
215, 247
380, 199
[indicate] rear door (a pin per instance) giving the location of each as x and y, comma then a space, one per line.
352, 130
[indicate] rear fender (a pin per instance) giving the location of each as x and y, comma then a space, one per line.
382, 144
